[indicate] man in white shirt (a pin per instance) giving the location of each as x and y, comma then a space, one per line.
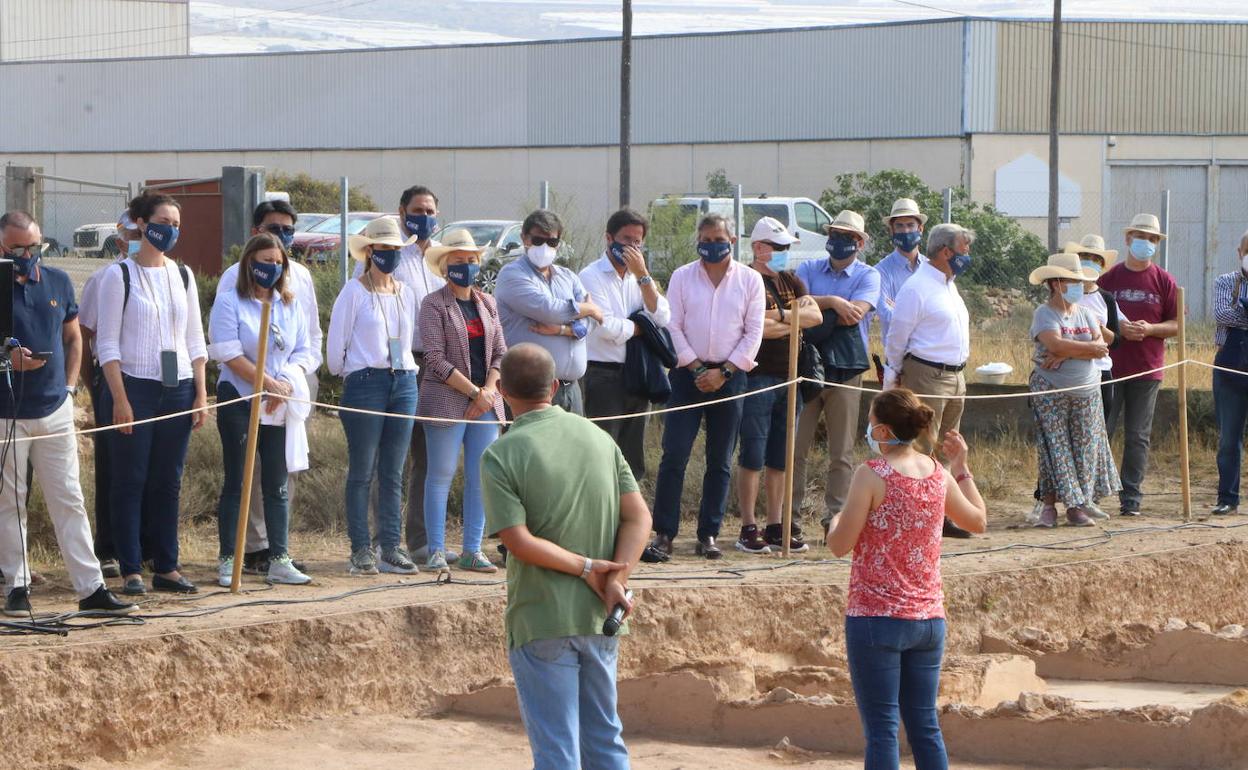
418, 216
621, 282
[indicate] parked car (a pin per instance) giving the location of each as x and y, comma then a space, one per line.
501, 239
94, 240
805, 218
320, 243
308, 220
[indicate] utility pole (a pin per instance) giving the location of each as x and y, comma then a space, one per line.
626, 101
1055, 80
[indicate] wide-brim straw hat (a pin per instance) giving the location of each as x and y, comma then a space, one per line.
1093, 244
906, 207
1065, 265
1144, 223
458, 239
850, 222
382, 231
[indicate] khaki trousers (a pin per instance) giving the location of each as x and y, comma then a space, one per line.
839, 408
945, 389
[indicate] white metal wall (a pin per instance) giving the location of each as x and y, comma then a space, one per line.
46, 30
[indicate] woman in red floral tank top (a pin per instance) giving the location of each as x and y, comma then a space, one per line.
895, 615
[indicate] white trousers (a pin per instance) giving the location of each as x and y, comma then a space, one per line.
55, 462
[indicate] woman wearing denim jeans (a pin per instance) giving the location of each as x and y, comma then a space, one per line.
150, 344
895, 615
370, 346
464, 348
234, 328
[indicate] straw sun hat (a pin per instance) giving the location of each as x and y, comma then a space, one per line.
382, 231
458, 239
906, 207
1064, 265
1093, 244
851, 222
1144, 223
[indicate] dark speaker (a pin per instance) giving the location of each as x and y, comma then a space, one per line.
6, 300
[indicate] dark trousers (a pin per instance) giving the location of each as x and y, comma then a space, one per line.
232, 424
104, 549
1134, 403
605, 396
146, 474
680, 430
568, 397
1230, 405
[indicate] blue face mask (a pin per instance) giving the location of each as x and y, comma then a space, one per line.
287, 239
958, 263
420, 225
841, 249
616, 250
779, 261
1143, 249
1090, 267
907, 242
463, 275
22, 264
386, 260
132, 248
714, 251
266, 274
1073, 293
163, 237
875, 444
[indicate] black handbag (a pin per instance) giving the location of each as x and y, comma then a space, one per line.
809, 360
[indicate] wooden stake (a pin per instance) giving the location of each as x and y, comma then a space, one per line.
790, 418
249, 454
1185, 470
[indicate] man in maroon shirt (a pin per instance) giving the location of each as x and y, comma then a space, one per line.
1148, 298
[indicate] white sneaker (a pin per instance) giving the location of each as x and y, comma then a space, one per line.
437, 562
421, 554
225, 571
1094, 511
282, 570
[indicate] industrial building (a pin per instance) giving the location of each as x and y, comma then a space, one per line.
48, 30
1147, 106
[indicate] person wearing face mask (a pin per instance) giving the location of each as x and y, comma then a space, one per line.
764, 414
151, 346
277, 218
36, 401
369, 345
128, 240
1148, 296
905, 226
1076, 466
895, 613
1230, 391
546, 304
418, 218
263, 275
621, 280
1095, 258
846, 290
464, 347
718, 310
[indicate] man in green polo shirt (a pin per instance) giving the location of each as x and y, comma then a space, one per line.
560, 495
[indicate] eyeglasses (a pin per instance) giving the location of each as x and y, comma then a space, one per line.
24, 251
275, 229
538, 240
275, 334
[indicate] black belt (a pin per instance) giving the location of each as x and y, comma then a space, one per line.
612, 365
714, 364
934, 365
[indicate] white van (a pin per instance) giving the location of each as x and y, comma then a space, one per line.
805, 218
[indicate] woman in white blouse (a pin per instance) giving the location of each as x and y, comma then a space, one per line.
150, 344
370, 346
234, 327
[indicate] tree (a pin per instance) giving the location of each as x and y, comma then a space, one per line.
1004, 253
308, 194
718, 185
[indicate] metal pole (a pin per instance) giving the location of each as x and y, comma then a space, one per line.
947, 205
1165, 228
1185, 472
249, 458
626, 102
543, 194
738, 215
1055, 79
790, 418
344, 254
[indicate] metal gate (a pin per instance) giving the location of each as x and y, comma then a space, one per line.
64, 205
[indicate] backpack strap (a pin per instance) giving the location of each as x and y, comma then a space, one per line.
186, 277
125, 282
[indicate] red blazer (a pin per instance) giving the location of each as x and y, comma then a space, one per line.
444, 334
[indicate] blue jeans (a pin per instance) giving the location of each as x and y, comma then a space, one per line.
763, 424
895, 668
146, 470
680, 430
442, 443
1230, 406
377, 442
566, 689
232, 423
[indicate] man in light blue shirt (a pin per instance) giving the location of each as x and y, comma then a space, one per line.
546, 304
905, 226
846, 289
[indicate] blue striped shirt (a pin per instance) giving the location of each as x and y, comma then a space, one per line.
894, 270
1227, 310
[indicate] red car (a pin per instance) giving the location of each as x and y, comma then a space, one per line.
321, 242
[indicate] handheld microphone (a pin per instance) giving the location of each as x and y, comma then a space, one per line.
613, 622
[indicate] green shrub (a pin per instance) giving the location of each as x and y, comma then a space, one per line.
308, 194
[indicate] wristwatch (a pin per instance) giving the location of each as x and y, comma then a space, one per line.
728, 371
589, 567
645, 279
476, 392
72, 389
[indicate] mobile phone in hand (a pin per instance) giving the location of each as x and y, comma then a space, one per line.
42, 355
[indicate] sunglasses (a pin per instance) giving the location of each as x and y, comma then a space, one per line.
25, 251
286, 230
777, 246
538, 240
275, 334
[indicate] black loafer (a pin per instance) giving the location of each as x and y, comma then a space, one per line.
1222, 509
179, 586
706, 547
953, 530
134, 587
17, 603
104, 602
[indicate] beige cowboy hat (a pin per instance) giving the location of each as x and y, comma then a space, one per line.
1144, 223
849, 222
458, 239
1092, 244
382, 231
906, 207
1065, 265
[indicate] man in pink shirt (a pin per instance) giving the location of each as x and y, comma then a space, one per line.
717, 327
